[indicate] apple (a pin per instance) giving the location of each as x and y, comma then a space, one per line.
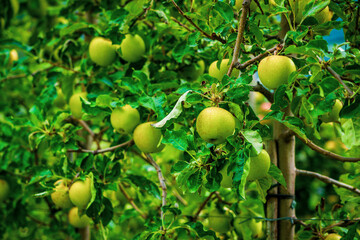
78, 221
4, 190
37, 8
13, 56
275, 70
59, 101
224, 67
259, 166
193, 72
132, 48
333, 236
333, 115
76, 104
218, 221
226, 181
60, 196
125, 119
147, 138
80, 193
102, 52
215, 124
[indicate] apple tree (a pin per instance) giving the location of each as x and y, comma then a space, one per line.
179, 119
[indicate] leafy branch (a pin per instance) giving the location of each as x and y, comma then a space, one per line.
328, 180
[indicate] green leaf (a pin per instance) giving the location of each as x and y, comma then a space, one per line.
176, 138
276, 173
254, 138
224, 10
199, 229
179, 166
144, 183
263, 185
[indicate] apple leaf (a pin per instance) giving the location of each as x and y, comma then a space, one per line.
107, 213
146, 184
224, 10
175, 112
263, 184
176, 138
199, 229
276, 173
254, 138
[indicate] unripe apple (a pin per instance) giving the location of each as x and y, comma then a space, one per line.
102, 52
219, 222
4, 190
333, 236
80, 193
333, 115
147, 138
224, 67
78, 221
76, 104
194, 71
215, 124
13, 56
275, 70
61, 197
125, 119
132, 48
259, 166
226, 181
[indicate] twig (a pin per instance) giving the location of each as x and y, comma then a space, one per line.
240, 35
178, 196
162, 184
85, 126
261, 89
128, 143
332, 155
328, 180
130, 200
212, 36
181, 24
203, 204
240, 66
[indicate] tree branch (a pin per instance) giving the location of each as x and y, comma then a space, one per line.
181, 24
212, 36
162, 183
261, 89
322, 151
128, 143
240, 35
240, 66
203, 204
130, 200
328, 180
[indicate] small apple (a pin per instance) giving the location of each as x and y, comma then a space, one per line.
215, 124
4, 190
13, 56
125, 119
80, 193
259, 166
147, 138
76, 104
61, 197
218, 221
275, 70
333, 236
333, 115
102, 52
132, 48
224, 67
193, 72
226, 181
78, 221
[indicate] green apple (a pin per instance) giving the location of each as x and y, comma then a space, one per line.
60, 196
78, 221
226, 181
4, 190
275, 70
215, 124
102, 52
219, 222
193, 72
224, 67
147, 138
80, 193
37, 8
333, 115
125, 119
132, 48
259, 166
59, 101
76, 104
333, 236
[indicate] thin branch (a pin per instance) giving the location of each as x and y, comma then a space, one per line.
342, 223
128, 143
328, 180
332, 155
203, 204
212, 36
162, 183
240, 66
85, 126
178, 196
181, 24
261, 89
130, 200
240, 35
